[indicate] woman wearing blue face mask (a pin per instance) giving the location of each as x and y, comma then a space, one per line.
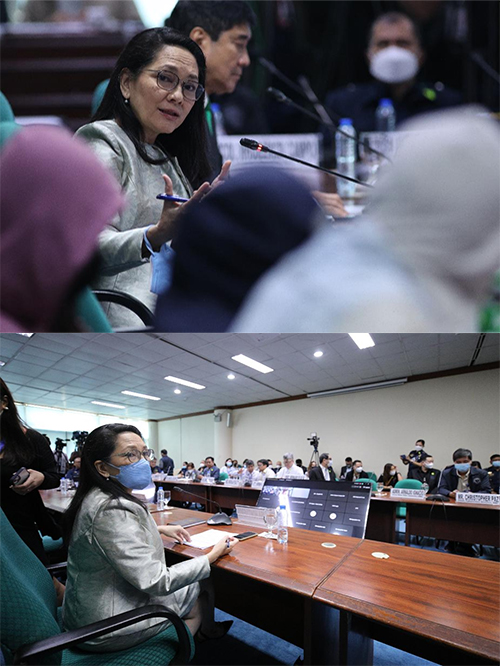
115, 556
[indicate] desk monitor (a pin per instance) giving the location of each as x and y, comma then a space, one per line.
334, 508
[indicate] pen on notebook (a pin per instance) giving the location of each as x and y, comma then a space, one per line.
227, 543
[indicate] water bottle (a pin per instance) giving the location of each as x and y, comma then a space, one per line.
282, 525
385, 116
425, 487
160, 499
345, 151
64, 486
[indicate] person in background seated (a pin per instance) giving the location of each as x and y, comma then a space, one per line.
476, 463
183, 469
74, 473
190, 472
55, 221
229, 468
236, 464
357, 472
463, 478
298, 462
414, 458
325, 470
345, 469
290, 469
210, 470
312, 465
116, 559
249, 475
153, 463
277, 467
428, 474
265, 471
166, 463
494, 472
395, 56
390, 476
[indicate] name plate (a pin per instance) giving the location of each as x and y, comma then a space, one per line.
478, 498
408, 492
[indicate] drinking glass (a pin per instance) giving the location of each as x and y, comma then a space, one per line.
380, 487
270, 519
167, 497
425, 486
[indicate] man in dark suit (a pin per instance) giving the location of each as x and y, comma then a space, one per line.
357, 472
462, 477
346, 468
494, 472
222, 29
428, 474
324, 472
166, 464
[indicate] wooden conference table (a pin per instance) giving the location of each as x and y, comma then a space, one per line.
468, 523
332, 602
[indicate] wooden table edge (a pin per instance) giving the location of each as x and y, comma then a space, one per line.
490, 649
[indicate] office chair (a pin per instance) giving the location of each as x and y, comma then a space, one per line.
127, 301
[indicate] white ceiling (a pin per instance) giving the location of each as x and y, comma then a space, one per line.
68, 370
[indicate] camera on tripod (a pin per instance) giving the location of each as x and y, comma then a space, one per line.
60, 444
80, 437
314, 439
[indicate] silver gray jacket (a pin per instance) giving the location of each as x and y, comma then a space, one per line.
120, 244
116, 563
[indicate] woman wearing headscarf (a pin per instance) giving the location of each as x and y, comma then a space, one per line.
149, 131
423, 258
228, 241
56, 198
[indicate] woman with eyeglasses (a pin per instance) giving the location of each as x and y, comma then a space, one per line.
116, 556
149, 130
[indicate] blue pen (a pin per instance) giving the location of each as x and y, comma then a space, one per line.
168, 197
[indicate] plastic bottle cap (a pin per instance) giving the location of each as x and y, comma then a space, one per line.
385, 102
345, 121
282, 506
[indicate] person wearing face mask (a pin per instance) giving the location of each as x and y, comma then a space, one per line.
390, 476
229, 469
415, 458
494, 472
462, 478
428, 474
116, 558
357, 472
394, 56
183, 469
346, 468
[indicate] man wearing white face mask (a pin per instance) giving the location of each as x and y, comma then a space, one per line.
395, 57
428, 474
415, 458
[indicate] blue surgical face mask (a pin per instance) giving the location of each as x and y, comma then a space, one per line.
229, 463
496, 463
462, 467
135, 476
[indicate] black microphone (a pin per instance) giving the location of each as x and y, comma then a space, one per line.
219, 518
255, 145
271, 67
323, 119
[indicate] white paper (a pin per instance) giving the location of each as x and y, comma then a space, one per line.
207, 539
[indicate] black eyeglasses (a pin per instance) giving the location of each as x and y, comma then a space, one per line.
191, 90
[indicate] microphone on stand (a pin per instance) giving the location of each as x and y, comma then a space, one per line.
324, 119
219, 518
255, 145
271, 67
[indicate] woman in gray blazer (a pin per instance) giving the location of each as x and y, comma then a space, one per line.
116, 556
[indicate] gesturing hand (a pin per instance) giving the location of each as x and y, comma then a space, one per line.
175, 532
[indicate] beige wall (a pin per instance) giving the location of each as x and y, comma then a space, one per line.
189, 438
375, 426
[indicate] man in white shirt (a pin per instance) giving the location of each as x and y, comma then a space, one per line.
249, 474
265, 472
289, 470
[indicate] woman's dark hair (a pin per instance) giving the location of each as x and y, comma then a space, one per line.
188, 142
476, 463
18, 448
386, 475
99, 445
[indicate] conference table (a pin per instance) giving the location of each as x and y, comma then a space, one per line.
333, 602
453, 521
